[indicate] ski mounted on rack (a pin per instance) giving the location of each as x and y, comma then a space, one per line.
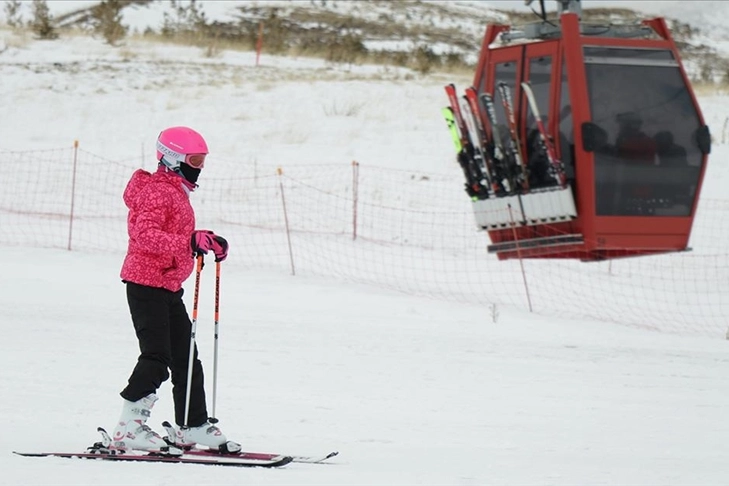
104, 450
556, 168
479, 157
474, 187
507, 169
521, 177
469, 156
492, 150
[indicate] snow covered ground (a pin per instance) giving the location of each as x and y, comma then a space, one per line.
410, 390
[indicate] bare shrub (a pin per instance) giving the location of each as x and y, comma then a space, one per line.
348, 109
106, 21
211, 49
346, 49
188, 23
424, 59
12, 14
275, 33
42, 23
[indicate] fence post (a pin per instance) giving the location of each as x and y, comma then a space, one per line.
259, 43
355, 196
286, 219
521, 260
73, 193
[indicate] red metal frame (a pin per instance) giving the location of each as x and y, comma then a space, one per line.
604, 236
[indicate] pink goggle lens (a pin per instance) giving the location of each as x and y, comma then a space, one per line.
195, 160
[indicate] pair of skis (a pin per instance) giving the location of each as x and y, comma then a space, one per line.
490, 168
469, 137
469, 156
104, 451
482, 160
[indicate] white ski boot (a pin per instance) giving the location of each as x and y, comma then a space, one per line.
207, 435
132, 431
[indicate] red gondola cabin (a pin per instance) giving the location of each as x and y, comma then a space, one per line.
619, 113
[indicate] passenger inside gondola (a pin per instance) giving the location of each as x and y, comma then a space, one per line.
632, 143
670, 154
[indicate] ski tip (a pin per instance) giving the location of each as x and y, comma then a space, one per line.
315, 459
31, 454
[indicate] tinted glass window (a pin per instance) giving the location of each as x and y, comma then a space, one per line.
625, 55
540, 71
647, 161
540, 74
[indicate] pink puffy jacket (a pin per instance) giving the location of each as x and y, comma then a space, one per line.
160, 225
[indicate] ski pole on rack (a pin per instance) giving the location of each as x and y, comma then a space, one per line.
217, 326
198, 271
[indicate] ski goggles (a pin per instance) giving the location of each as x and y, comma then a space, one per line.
173, 159
196, 161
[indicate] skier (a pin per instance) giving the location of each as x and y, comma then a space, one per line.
160, 256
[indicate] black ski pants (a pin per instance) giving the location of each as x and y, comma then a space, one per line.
163, 329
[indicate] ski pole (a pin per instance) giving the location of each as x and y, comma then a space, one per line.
195, 299
217, 326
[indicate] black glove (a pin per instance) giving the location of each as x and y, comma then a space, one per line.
202, 242
220, 248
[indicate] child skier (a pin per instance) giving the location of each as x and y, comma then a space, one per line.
160, 256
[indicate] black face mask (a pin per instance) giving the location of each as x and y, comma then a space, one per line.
189, 173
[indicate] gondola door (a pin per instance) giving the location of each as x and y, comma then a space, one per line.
541, 72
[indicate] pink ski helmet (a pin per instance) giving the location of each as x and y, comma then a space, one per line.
178, 145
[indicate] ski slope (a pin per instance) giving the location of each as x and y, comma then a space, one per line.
410, 390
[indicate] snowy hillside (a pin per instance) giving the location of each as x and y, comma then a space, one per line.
409, 349
444, 26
